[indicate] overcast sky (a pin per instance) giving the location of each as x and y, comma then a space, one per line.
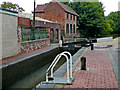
110, 5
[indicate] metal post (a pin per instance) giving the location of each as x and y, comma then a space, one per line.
54, 65
60, 43
92, 46
68, 79
47, 77
83, 63
34, 16
33, 28
70, 63
71, 67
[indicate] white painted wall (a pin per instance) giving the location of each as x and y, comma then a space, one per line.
9, 35
0, 36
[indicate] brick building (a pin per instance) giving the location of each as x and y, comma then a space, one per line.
25, 20
61, 13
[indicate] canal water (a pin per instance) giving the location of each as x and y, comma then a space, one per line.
37, 76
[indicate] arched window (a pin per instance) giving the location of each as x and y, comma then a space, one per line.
70, 28
67, 28
74, 28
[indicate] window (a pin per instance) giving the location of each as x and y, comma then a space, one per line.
71, 28
74, 28
67, 16
67, 28
74, 17
70, 16
59, 14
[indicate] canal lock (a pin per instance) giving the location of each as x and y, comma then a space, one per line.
29, 72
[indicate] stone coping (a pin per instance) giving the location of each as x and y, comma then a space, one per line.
35, 40
27, 57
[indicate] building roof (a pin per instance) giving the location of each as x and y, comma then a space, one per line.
9, 12
40, 8
67, 8
28, 15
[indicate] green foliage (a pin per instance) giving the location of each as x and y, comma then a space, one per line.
92, 22
10, 6
114, 19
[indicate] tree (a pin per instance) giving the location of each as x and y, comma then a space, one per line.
10, 6
92, 22
114, 19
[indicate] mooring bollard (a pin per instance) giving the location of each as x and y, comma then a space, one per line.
83, 63
92, 46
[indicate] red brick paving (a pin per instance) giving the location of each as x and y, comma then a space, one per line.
99, 75
21, 55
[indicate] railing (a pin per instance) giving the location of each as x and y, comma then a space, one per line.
57, 58
28, 34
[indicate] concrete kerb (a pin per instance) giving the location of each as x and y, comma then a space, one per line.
26, 57
114, 66
63, 69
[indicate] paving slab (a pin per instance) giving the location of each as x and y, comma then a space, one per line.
100, 74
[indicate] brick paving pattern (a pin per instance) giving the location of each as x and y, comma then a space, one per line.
99, 72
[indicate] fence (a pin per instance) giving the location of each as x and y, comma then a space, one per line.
29, 34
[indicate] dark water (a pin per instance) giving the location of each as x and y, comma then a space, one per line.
37, 76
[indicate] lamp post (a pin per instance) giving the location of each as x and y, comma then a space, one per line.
33, 29
34, 16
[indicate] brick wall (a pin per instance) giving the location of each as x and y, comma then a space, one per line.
30, 45
23, 21
54, 13
69, 21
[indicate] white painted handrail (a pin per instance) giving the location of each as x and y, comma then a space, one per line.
70, 63
53, 63
65, 52
57, 58
51, 66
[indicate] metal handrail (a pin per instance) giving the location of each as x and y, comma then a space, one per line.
53, 62
57, 58
65, 52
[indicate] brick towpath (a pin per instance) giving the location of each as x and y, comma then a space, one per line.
99, 74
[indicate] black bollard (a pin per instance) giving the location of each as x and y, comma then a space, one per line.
92, 46
83, 63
